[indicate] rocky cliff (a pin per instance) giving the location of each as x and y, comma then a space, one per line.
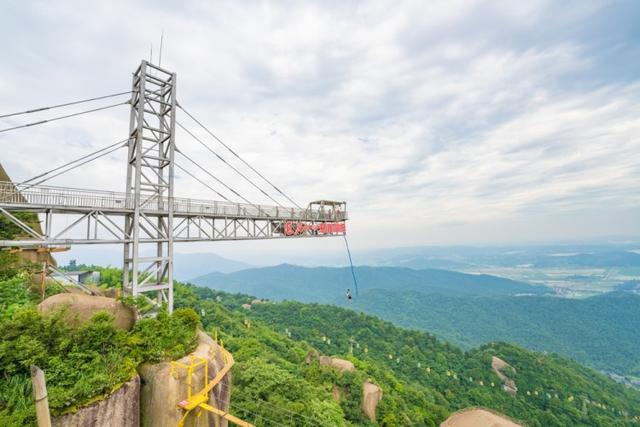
121, 408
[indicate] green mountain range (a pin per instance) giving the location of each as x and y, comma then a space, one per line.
278, 380
468, 310
422, 378
602, 331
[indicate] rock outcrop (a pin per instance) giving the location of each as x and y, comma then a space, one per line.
120, 408
339, 364
80, 308
312, 355
371, 393
163, 389
151, 398
337, 393
478, 417
502, 370
371, 396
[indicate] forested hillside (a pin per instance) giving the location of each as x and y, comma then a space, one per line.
601, 331
468, 310
423, 379
83, 362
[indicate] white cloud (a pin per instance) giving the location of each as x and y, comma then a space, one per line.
440, 113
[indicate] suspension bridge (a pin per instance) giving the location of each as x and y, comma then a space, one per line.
147, 218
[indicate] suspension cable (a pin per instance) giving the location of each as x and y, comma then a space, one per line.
63, 117
275, 407
201, 181
66, 104
237, 155
77, 166
305, 418
218, 180
256, 415
71, 162
228, 164
110, 149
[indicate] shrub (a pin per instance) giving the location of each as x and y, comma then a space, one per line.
81, 363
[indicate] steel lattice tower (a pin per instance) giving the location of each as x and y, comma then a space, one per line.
150, 177
149, 208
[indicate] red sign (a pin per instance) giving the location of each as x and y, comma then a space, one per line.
295, 228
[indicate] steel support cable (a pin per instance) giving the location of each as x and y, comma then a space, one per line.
66, 104
221, 182
257, 416
276, 408
78, 165
228, 164
63, 117
238, 156
73, 161
18, 190
202, 168
201, 181
236, 407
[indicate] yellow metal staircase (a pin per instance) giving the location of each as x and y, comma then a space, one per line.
199, 401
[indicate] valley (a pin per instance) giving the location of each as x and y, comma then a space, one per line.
599, 329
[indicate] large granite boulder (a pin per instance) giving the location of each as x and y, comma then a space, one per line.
478, 417
163, 388
503, 370
371, 396
339, 364
80, 308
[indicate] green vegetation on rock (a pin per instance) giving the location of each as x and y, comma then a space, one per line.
277, 378
82, 363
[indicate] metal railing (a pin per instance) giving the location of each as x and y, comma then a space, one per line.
42, 196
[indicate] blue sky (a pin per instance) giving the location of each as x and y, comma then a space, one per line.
440, 122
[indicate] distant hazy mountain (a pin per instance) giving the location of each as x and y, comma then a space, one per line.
601, 331
603, 259
325, 284
468, 257
470, 310
188, 266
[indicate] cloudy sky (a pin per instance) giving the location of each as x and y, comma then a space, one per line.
440, 122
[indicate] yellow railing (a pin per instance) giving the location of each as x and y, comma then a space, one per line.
199, 400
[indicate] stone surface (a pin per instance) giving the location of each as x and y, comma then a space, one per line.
312, 356
371, 396
478, 417
340, 364
80, 308
371, 393
503, 370
161, 391
121, 408
337, 393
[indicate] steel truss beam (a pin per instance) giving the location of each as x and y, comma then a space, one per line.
99, 227
142, 218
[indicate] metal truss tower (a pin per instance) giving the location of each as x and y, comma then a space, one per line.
148, 247
142, 218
